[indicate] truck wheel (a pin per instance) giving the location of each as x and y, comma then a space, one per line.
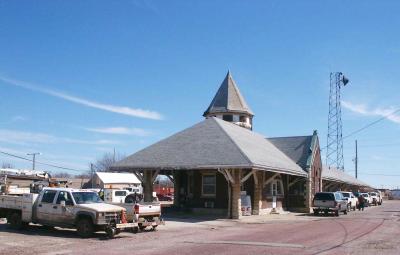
15, 220
111, 232
135, 230
85, 227
337, 213
316, 212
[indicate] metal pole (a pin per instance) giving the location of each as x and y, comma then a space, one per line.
34, 158
356, 161
92, 174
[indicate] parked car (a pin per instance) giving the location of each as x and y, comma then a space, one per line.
329, 202
368, 199
352, 200
165, 197
68, 208
376, 198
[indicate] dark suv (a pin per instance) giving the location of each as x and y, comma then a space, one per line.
329, 202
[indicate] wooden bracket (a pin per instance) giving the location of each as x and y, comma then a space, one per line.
294, 182
270, 179
154, 176
228, 173
139, 176
247, 176
171, 178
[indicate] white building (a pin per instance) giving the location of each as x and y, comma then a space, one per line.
114, 180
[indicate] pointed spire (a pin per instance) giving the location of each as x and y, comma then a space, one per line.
228, 99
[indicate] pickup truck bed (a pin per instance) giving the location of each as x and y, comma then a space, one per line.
20, 203
147, 214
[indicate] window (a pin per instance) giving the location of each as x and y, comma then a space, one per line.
48, 196
227, 117
64, 196
274, 188
208, 185
324, 196
120, 193
86, 197
243, 119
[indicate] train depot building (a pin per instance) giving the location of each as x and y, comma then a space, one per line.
220, 163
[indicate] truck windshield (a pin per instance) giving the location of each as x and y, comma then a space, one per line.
346, 194
86, 197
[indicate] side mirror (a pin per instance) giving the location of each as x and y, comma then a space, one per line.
62, 203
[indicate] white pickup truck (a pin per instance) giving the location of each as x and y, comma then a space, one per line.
147, 214
352, 200
376, 198
63, 207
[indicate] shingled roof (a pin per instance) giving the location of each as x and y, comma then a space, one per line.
228, 99
298, 148
211, 144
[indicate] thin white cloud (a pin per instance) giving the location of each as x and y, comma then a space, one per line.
18, 118
106, 107
364, 110
120, 131
25, 138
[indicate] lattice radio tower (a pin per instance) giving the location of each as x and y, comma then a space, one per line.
334, 151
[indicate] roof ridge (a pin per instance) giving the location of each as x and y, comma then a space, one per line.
295, 136
230, 138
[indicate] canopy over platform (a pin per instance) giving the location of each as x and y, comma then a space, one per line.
335, 175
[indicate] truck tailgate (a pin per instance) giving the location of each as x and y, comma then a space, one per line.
324, 203
149, 209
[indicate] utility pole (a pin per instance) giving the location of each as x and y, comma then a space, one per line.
356, 161
92, 174
34, 158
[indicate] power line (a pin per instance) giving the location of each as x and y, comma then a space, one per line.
379, 174
368, 125
42, 163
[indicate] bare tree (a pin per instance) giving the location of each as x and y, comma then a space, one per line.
7, 165
104, 163
61, 175
83, 176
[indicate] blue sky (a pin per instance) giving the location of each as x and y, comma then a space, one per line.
79, 78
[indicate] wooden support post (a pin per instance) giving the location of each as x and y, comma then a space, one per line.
257, 200
236, 200
177, 187
148, 185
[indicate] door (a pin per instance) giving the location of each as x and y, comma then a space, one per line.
45, 206
63, 215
